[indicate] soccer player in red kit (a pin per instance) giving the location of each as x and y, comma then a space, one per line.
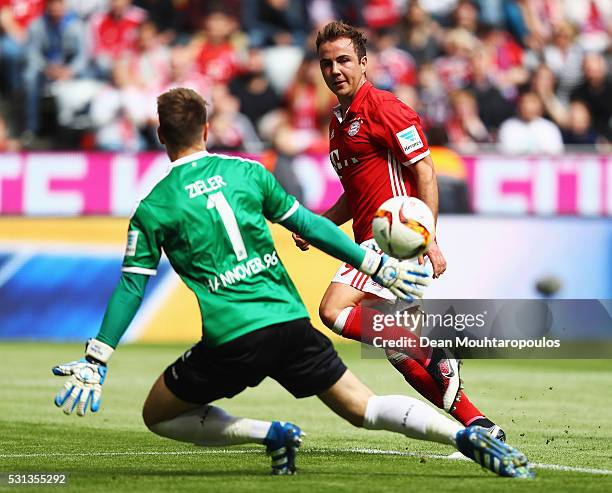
379, 150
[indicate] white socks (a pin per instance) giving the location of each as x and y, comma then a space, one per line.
410, 417
212, 426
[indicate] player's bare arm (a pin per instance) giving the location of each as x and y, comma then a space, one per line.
427, 190
339, 213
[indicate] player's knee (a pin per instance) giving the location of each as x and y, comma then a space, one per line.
151, 414
328, 314
148, 417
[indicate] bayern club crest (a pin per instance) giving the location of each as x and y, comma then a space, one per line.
354, 128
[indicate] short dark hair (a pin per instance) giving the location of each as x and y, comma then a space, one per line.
182, 116
338, 29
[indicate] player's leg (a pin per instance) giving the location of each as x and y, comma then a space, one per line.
463, 410
355, 402
168, 416
178, 408
312, 366
434, 375
352, 400
343, 310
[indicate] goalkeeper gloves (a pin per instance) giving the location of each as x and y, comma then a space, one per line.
405, 279
83, 389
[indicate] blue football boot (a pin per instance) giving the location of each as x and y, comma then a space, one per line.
477, 443
282, 443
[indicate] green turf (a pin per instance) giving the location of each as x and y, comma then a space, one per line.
558, 412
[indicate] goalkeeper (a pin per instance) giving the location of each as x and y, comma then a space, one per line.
208, 214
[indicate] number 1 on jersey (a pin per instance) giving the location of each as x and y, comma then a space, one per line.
218, 201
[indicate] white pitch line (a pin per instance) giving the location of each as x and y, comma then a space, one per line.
365, 451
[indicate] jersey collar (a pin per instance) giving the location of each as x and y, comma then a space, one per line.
188, 159
355, 104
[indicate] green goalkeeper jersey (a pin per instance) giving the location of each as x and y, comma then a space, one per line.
208, 215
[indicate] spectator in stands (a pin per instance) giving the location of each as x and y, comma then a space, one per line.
119, 113
390, 65
85, 9
149, 62
563, 56
520, 23
164, 15
184, 73
504, 61
465, 16
518, 19
578, 130
379, 14
493, 107
253, 89
542, 17
55, 52
309, 104
218, 58
593, 19
454, 67
464, 128
275, 22
190, 14
434, 98
349, 10
492, 13
15, 17
229, 129
113, 34
421, 36
596, 93
528, 132
543, 83
440, 10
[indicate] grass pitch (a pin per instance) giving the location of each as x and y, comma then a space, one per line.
558, 412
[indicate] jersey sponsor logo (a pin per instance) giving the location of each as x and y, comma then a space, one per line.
354, 128
243, 270
334, 157
409, 139
132, 240
201, 187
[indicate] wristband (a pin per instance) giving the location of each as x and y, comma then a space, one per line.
98, 350
371, 262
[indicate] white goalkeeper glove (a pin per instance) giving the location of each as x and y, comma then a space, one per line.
405, 279
83, 389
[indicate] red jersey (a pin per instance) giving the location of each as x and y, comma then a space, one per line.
24, 11
218, 62
369, 149
113, 36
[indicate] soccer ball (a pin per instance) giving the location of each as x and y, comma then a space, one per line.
403, 227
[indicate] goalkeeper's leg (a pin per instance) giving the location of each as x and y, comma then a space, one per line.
168, 416
205, 425
352, 400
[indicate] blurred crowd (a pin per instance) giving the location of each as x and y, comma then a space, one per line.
520, 76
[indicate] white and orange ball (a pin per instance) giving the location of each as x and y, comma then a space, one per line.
403, 227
